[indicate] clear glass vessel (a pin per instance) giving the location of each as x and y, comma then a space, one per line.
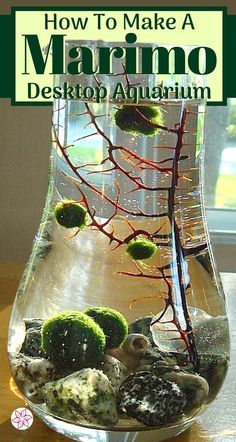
119, 324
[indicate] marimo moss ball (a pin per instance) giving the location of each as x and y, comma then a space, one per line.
112, 323
70, 214
73, 340
128, 119
141, 249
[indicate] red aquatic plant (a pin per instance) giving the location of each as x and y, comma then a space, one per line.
131, 168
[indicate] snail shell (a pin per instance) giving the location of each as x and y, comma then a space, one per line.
131, 351
136, 343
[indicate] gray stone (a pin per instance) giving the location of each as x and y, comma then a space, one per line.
153, 354
32, 342
114, 370
160, 368
35, 323
195, 387
213, 368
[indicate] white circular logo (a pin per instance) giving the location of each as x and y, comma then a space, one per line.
22, 418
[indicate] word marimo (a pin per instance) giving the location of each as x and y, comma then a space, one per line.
132, 93
136, 59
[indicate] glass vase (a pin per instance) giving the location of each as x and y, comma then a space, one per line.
119, 324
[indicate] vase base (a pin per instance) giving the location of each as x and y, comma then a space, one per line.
83, 434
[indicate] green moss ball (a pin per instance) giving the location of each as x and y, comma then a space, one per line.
112, 323
128, 120
141, 249
73, 340
70, 214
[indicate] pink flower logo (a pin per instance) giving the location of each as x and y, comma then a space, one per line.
22, 418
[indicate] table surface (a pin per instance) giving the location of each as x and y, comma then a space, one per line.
217, 424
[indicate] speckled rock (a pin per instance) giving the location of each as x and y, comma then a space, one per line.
114, 370
151, 400
85, 397
142, 326
32, 342
31, 374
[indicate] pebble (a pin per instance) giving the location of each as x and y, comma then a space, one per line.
35, 323
84, 397
151, 400
114, 370
195, 387
32, 342
153, 354
31, 374
214, 369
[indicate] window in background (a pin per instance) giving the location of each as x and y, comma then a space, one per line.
220, 182
220, 167
220, 160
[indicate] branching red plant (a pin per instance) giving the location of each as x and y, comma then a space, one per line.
176, 285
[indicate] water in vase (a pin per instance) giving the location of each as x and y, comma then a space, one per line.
119, 323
